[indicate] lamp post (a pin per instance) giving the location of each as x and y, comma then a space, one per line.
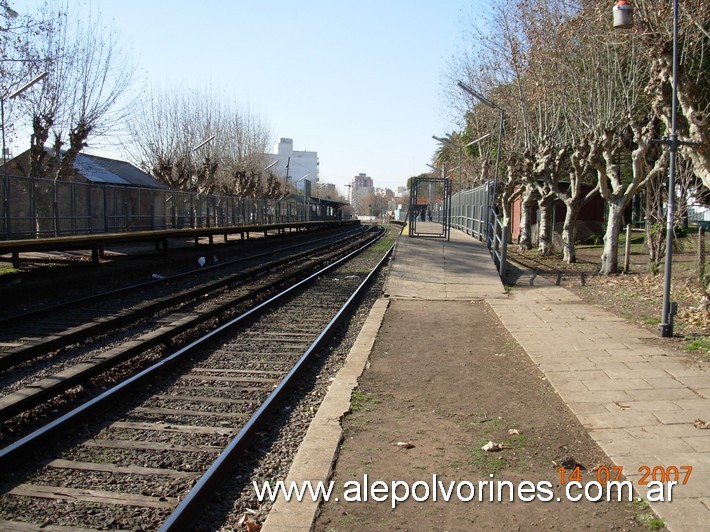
666, 327
491, 197
350, 197
501, 112
6, 177
261, 185
623, 18
193, 186
444, 140
461, 147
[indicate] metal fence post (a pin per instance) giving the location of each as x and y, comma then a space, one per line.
701, 253
503, 249
627, 249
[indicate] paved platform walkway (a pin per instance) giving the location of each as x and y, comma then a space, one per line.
637, 400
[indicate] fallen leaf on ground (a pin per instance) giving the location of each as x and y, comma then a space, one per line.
405, 445
492, 447
249, 525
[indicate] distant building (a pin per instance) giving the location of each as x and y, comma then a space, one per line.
292, 165
327, 190
361, 187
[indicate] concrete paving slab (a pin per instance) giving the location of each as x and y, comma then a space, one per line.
647, 418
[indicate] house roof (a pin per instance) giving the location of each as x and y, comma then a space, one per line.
97, 169
93, 169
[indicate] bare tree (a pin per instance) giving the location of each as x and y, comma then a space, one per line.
20, 59
88, 74
174, 122
653, 28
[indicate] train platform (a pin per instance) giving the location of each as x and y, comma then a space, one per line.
643, 405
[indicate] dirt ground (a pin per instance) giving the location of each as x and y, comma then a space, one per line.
449, 400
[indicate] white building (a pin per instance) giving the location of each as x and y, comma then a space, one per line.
294, 167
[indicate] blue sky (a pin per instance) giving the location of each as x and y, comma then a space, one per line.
360, 82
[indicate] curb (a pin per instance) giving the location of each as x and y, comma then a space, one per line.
319, 450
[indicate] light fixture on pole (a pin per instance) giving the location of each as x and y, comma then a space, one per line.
10, 13
623, 15
461, 147
501, 112
444, 140
206, 141
491, 198
6, 177
193, 179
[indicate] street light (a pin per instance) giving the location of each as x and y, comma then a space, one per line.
6, 177
666, 326
490, 104
193, 186
487, 102
623, 15
206, 141
444, 140
623, 18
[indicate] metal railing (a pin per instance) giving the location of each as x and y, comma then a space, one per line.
41, 208
468, 210
498, 242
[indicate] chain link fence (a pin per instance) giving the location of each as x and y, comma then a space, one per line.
41, 208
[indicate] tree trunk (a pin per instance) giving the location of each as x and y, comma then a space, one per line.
569, 230
610, 257
41, 126
527, 201
545, 229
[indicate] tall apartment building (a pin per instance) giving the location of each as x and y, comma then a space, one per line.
361, 186
294, 167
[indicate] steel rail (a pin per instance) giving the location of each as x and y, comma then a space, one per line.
184, 515
20, 401
96, 327
53, 429
154, 282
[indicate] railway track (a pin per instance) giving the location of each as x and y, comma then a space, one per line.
148, 452
159, 316
30, 334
